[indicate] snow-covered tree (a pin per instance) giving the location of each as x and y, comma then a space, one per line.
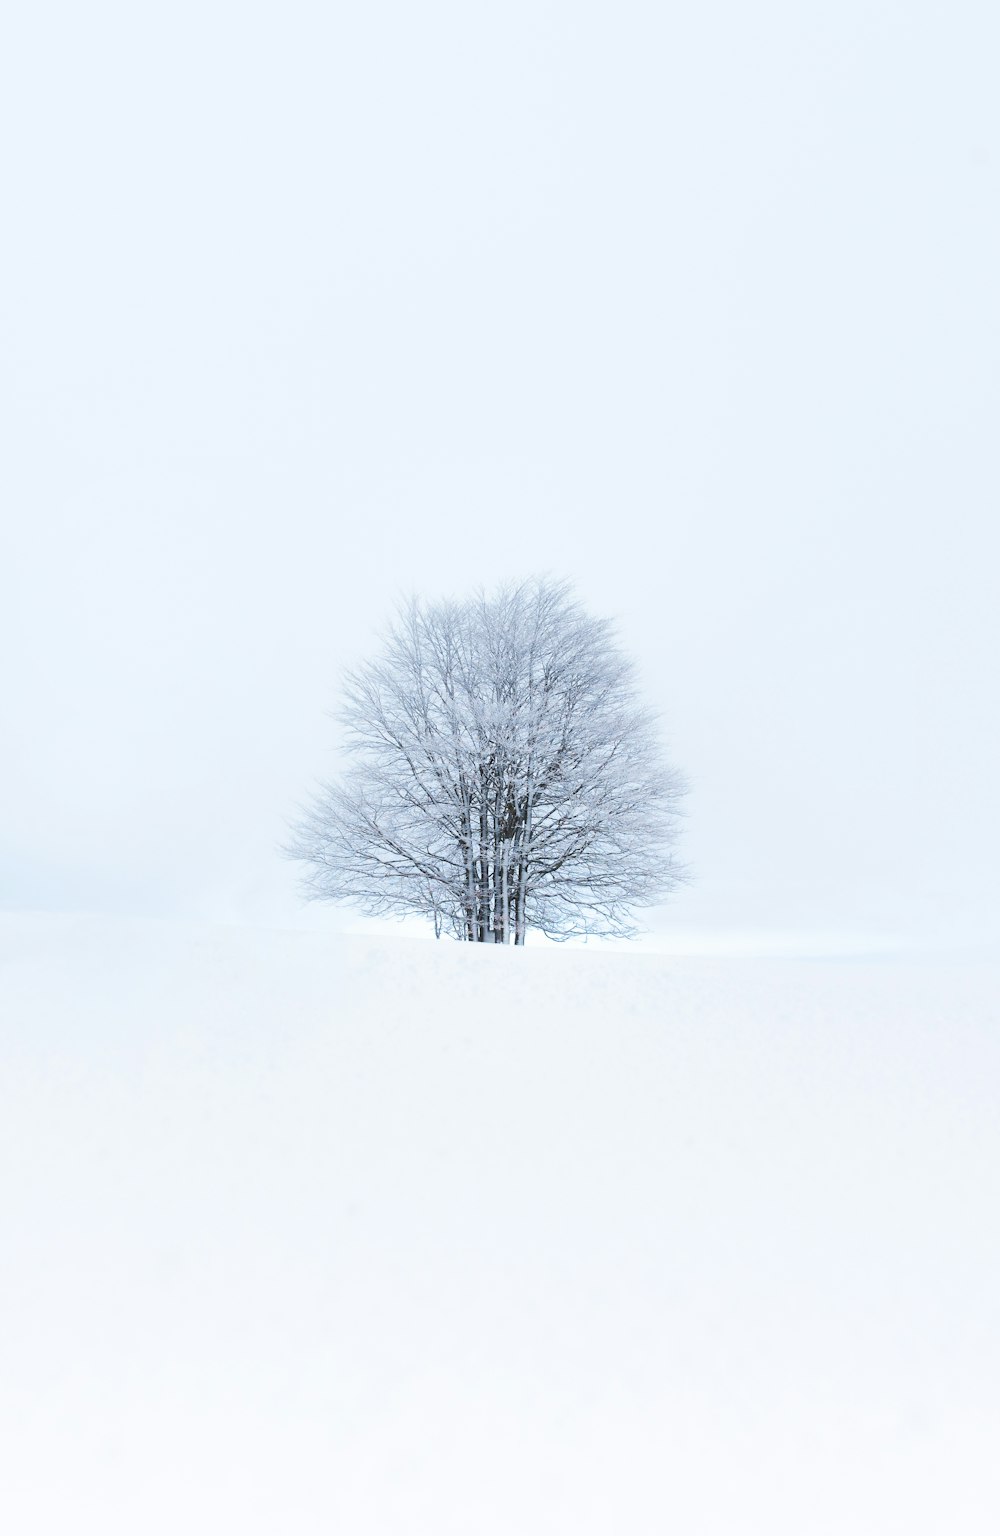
505, 776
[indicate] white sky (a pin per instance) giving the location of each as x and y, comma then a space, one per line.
306, 305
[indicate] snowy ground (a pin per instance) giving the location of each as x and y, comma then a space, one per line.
351, 1235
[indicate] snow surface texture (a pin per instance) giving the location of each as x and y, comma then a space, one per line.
377, 1236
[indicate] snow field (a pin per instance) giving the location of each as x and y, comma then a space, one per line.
358, 1235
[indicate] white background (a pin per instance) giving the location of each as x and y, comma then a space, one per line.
303, 307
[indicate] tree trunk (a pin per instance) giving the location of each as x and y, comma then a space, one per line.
505, 893
484, 870
522, 869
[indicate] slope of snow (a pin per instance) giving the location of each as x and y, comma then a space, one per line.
373, 1236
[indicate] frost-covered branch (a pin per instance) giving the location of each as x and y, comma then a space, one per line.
504, 776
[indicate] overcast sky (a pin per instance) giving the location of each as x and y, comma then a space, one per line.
305, 306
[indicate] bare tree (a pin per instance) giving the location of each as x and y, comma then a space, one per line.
505, 776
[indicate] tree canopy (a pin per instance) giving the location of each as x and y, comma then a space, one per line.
505, 775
